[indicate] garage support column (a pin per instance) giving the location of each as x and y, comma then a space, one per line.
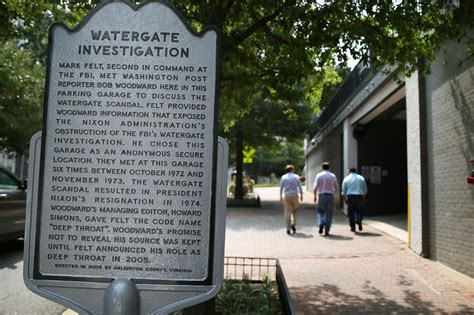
416, 165
350, 146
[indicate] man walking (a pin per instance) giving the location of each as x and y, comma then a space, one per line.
290, 186
325, 185
354, 190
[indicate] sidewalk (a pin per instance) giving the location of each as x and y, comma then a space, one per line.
346, 272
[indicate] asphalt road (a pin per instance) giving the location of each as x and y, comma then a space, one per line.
15, 298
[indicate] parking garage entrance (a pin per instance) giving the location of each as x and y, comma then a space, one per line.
382, 160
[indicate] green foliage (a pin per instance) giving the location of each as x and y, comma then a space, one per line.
24, 34
269, 119
21, 94
33, 37
400, 33
245, 297
272, 159
275, 54
323, 85
271, 49
262, 55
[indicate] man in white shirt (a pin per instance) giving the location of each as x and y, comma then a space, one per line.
325, 185
290, 187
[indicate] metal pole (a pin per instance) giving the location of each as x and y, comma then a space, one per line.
121, 298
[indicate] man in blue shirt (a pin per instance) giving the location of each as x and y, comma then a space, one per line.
354, 190
290, 188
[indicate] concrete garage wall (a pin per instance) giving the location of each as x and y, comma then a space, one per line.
450, 143
330, 151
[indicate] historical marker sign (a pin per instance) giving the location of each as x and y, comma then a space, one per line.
128, 167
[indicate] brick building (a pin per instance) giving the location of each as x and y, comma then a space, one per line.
413, 140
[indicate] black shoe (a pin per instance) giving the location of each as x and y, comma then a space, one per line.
326, 233
288, 232
293, 228
360, 225
321, 227
353, 229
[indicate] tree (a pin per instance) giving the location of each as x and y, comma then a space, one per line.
21, 90
23, 30
272, 159
270, 46
267, 123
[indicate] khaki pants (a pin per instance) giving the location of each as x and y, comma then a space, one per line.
290, 206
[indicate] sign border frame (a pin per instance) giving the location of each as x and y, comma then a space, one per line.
212, 217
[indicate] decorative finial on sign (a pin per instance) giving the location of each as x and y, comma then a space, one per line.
121, 298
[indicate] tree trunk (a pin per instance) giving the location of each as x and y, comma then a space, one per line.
239, 159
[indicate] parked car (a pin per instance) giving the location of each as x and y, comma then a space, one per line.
12, 206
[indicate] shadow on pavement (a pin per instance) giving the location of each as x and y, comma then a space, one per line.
11, 253
338, 237
269, 217
301, 235
329, 299
367, 234
266, 219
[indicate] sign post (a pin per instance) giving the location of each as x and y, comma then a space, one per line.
126, 203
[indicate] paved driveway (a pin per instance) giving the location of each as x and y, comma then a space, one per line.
346, 272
